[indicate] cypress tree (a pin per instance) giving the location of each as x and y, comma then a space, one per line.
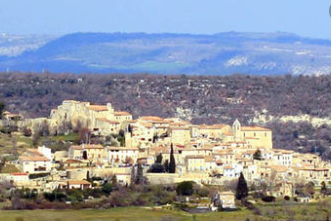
140, 175
242, 188
324, 190
159, 158
2, 108
166, 166
133, 175
172, 164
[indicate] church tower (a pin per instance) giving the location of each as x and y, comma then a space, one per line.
236, 130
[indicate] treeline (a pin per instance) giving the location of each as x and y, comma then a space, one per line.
302, 137
203, 99
211, 98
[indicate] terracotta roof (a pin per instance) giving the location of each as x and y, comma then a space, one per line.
254, 128
34, 158
214, 126
98, 107
122, 113
75, 182
223, 152
20, 174
146, 124
152, 118
282, 151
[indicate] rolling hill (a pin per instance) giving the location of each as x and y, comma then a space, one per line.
219, 54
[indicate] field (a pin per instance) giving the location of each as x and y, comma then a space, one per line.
280, 210
119, 214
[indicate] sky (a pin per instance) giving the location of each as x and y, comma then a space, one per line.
309, 18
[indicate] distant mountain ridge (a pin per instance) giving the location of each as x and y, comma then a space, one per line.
218, 54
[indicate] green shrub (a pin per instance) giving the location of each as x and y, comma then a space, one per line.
185, 188
107, 188
268, 199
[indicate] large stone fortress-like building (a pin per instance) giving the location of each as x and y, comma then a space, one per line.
101, 119
146, 131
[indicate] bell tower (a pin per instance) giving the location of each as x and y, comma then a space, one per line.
236, 130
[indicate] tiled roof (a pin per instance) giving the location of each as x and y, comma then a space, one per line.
98, 107
152, 118
33, 158
20, 174
122, 113
75, 182
214, 126
254, 128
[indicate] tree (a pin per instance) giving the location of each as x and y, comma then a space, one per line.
133, 175
185, 188
324, 190
44, 128
156, 168
107, 188
2, 108
140, 175
166, 166
310, 188
242, 188
27, 132
159, 158
113, 180
257, 155
84, 136
172, 164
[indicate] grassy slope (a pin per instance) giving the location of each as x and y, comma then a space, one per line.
117, 214
7, 141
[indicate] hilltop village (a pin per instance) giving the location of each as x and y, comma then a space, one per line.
206, 154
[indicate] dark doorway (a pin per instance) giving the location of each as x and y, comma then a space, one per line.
85, 155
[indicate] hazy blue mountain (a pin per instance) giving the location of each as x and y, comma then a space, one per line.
223, 53
14, 45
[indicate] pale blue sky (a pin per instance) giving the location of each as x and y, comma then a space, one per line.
304, 17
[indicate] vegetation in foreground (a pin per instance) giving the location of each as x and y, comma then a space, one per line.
120, 214
280, 210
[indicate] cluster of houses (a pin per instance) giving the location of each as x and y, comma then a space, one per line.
206, 154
